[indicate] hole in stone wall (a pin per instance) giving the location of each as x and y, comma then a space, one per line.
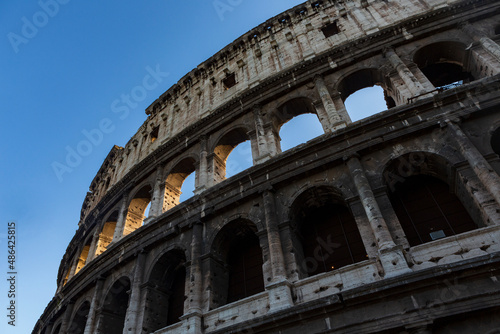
165, 292
154, 134
187, 188
239, 159
367, 102
425, 205
115, 307
229, 81
234, 144
497, 30
330, 29
443, 64
80, 319
299, 130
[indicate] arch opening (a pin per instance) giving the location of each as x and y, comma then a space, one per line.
234, 144
181, 180
365, 94
427, 210
297, 122
165, 292
82, 259
80, 319
495, 141
106, 235
114, 308
237, 263
327, 233
137, 210
443, 63
57, 330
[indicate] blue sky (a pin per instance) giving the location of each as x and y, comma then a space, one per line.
59, 76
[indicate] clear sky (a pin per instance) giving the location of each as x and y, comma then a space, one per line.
63, 64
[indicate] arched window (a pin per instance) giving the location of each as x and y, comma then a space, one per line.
174, 185
165, 292
57, 330
82, 259
237, 263
137, 210
364, 94
106, 235
297, 122
329, 236
80, 319
114, 308
495, 141
226, 145
443, 64
427, 210
367, 102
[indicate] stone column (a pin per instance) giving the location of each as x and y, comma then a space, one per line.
487, 43
193, 315
280, 295
91, 319
335, 120
196, 279
483, 170
122, 217
203, 175
267, 143
157, 198
391, 255
340, 107
404, 72
131, 326
67, 318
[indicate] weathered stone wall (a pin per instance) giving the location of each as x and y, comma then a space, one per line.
306, 60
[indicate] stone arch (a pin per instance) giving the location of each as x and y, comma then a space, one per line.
236, 262
174, 180
326, 236
365, 78
138, 204
107, 232
84, 254
57, 328
292, 108
444, 63
418, 181
114, 307
79, 319
224, 145
165, 290
295, 107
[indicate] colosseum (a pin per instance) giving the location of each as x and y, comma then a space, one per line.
389, 224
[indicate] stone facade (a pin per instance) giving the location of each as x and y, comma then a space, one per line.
390, 224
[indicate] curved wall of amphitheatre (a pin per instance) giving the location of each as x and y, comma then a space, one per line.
374, 217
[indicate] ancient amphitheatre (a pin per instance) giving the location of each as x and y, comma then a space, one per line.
385, 225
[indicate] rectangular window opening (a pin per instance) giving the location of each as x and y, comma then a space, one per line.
229, 81
154, 134
330, 29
